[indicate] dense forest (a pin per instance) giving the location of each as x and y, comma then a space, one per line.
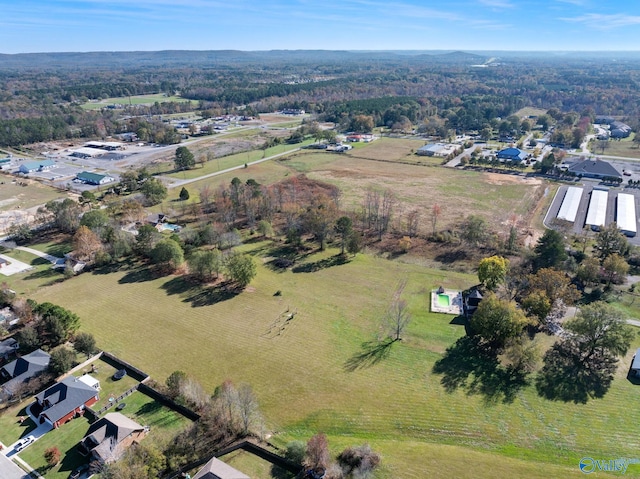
41, 94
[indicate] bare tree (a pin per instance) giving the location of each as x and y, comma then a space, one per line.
435, 213
413, 221
250, 417
398, 316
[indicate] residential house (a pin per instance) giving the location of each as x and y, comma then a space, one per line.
8, 347
470, 302
64, 400
41, 165
94, 178
108, 438
512, 154
216, 469
594, 169
23, 369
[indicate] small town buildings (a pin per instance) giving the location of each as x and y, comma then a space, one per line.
512, 154
108, 438
33, 166
599, 169
64, 400
87, 153
23, 369
104, 145
216, 469
435, 149
94, 178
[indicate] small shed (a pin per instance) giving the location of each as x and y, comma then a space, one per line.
90, 381
635, 365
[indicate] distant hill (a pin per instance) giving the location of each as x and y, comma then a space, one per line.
197, 58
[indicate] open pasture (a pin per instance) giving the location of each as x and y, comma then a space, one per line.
133, 100
326, 369
498, 197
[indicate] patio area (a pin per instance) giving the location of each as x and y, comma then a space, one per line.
446, 301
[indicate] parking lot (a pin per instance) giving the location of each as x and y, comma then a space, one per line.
581, 216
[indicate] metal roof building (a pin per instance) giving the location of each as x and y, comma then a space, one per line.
596, 216
570, 204
626, 214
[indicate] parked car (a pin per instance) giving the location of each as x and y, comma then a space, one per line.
24, 442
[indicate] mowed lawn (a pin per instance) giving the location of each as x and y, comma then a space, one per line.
312, 372
134, 100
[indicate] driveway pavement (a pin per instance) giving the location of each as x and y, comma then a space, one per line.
14, 266
48, 257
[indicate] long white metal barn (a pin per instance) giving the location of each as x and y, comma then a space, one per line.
570, 204
596, 216
626, 214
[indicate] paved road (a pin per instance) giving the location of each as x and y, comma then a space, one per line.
456, 161
9, 470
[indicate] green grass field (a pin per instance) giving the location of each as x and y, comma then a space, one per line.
14, 196
624, 148
133, 100
315, 372
237, 159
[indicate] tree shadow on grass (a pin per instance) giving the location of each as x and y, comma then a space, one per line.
565, 378
452, 256
139, 275
470, 366
149, 408
321, 264
44, 274
199, 295
370, 354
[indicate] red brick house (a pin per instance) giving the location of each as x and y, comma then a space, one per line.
65, 400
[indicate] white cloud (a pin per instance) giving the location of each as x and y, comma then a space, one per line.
497, 3
605, 22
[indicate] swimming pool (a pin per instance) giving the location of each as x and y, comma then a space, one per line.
444, 300
170, 227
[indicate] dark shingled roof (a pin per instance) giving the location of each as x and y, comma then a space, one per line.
26, 367
594, 167
64, 397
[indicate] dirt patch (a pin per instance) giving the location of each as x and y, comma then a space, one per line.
504, 179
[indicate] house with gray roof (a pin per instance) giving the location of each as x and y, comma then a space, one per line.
23, 369
109, 437
8, 347
65, 400
635, 365
594, 169
216, 469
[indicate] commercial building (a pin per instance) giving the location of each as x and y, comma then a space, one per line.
570, 204
596, 216
626, 214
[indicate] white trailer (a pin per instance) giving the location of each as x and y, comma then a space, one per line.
597, 214
570, 204
626, 214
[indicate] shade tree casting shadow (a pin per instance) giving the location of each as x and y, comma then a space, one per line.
470, 366
565, 378
370, 354
199, 295
335, 260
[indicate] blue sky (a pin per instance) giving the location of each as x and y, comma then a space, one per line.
127, 25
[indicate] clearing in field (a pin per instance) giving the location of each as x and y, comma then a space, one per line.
133, 100
500, 198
